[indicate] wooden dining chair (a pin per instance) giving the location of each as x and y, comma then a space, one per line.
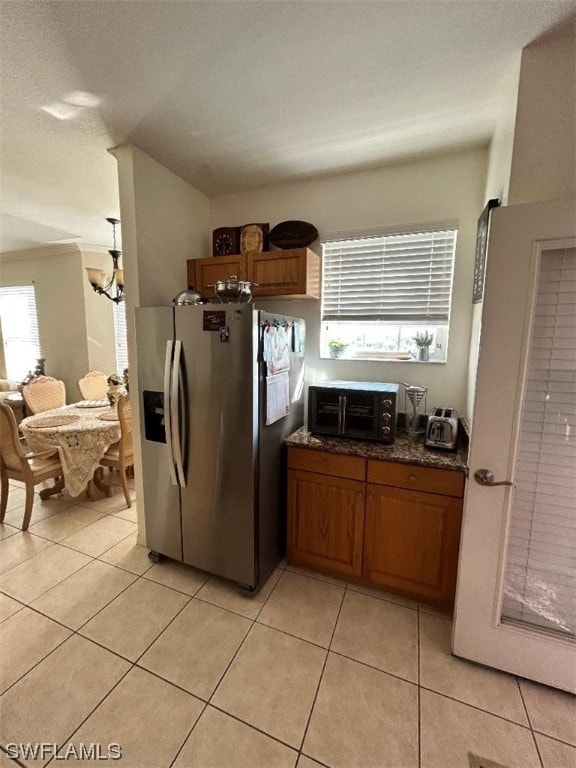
94, 385
120, 455
16, 463
44, 393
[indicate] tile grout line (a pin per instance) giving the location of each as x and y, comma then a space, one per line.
529, 721
207, 702
419, 731
305, 733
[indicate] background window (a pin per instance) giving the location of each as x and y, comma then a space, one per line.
380, 293
120, 337
19, 329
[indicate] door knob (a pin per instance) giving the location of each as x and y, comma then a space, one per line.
485, 477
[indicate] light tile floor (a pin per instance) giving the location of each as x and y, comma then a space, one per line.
99, 645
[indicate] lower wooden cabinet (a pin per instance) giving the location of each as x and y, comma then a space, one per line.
363, 520
411, 542
326, 523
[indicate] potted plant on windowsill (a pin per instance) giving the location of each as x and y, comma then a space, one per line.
423, 343
336, 347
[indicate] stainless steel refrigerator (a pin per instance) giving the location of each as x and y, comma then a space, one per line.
212, 467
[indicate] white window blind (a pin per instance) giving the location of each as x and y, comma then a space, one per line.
540, 580
121, 337
19, 329
395, 278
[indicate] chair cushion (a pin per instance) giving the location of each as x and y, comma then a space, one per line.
44, 465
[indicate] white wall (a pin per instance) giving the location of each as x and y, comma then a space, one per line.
164, 223
497, 186
61, 301
438, 188
544, 157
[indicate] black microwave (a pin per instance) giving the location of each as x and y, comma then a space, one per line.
357, 409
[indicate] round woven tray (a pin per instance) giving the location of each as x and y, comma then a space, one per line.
54, 421
109, 416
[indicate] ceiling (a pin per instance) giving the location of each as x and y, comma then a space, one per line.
232, 94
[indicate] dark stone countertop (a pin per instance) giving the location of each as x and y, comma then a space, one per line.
405, 449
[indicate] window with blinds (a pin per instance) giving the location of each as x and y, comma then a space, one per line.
380, 292
121, 337
20, 336
540, 579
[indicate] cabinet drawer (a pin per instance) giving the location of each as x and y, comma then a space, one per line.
352, 467
417, 478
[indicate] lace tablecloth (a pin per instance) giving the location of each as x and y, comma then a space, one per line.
80, 444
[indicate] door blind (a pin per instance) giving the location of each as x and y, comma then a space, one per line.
540, 580
398, 278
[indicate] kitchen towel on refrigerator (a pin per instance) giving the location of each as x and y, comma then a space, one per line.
277, 397
275, 349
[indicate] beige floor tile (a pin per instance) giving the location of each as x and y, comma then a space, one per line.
40, 573
304, 607
491, 690
555, 754
76, 599
49, 703
315, 575
424, 608
380, 594
16, 497
129, 555
450, 730
148, 717
178, 576
129, 513
363, 718
196, 648
100, 536
105, 504
271, 683
378, 633
8, 607
306, 762
237, 746
135, 619
63, 524
551, 712
25, 639
17, 549
227, 594
7, 530
41, 510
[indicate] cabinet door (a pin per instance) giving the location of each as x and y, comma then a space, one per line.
411, 542
203, 273
292, 273
325, 522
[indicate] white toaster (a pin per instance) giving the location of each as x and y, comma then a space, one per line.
442, 429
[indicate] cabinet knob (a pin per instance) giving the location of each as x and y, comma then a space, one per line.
412, 478
370, 495
360, 494
323, 463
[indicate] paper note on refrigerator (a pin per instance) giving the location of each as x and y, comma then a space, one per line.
277, 397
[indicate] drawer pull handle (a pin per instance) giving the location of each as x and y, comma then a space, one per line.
323, 463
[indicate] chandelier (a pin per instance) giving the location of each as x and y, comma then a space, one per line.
113, 286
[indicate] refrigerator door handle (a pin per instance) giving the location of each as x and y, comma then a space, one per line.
174, 413
167, 411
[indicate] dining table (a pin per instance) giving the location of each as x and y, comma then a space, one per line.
81, 433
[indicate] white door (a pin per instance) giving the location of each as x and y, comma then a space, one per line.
517, 573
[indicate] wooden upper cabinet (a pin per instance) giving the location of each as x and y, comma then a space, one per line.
289, 274
293, 273
203, 273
